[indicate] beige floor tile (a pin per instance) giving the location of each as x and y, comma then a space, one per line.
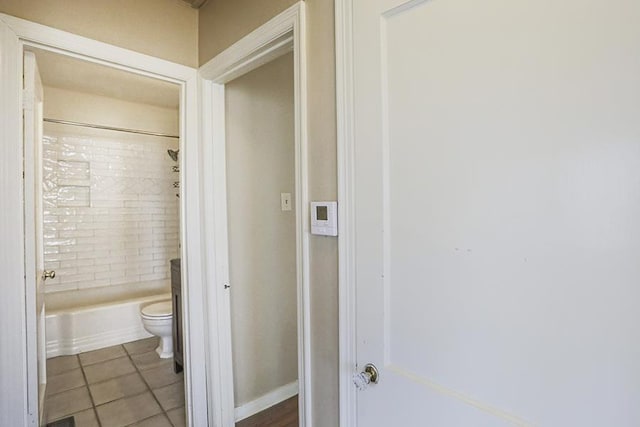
161, 376
171, 396
86, 418
149, 360
129, 410
65, 381
109, 369
68, 402
60, 364
177, 417
159, 420
102, 355
117, 388
142, 346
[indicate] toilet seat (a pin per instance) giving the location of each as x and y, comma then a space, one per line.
158, 310
157, 319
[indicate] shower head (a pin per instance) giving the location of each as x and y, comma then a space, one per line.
173, 154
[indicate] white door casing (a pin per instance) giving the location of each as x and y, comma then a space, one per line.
13, 361
36, 352
282, 34
490, 153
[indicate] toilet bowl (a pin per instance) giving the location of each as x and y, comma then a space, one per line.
157, 319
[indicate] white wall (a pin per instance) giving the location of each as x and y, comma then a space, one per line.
111, 211
262, 238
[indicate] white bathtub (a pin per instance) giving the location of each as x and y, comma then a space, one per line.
74, 330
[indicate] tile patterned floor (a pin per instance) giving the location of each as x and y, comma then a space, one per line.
123, 385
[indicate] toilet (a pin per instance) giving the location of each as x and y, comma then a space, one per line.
157, 319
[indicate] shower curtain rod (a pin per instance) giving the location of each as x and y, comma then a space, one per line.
89, 125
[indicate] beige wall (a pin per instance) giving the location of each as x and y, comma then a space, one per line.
167, 29
323, 186
223, 22
262, 237
87, 108
242, 16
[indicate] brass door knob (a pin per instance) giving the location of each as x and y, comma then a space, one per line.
371, 372
48, 274
369, 375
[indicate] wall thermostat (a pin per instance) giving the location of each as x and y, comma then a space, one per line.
324, 218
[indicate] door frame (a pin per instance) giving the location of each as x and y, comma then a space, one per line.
346, 212
36, 350
12, 305
282, 34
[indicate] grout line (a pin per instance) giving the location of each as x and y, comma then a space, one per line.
86, 382
126, 355
49, 394
149, 388
137, 371
105, 360
124, 397
112, 378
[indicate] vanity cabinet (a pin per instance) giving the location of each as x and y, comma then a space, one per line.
176, 299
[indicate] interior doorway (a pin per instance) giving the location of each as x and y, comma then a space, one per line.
107, 224
260, 166
17, 35
283, 35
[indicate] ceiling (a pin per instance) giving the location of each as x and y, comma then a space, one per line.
196, 4
65, 72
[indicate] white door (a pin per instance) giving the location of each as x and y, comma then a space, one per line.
497, 211
34, 255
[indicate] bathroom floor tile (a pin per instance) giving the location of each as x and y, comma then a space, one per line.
60, 364
159, 420
117, 388
86, 418
102, 355
171, 396
109, 369
177, 417
161, 376
129, 410
68, 402
65, 381
142, 346
128, 384
149, 360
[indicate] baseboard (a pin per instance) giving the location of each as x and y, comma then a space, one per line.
63, 347
266, 401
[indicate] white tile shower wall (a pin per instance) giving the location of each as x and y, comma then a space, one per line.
111, 214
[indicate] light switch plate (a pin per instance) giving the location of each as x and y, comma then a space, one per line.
285, 201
